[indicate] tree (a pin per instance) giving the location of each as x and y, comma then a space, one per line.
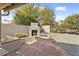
25, 15
32, 13
71, 23
47, 16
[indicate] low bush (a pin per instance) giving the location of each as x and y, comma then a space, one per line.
21, 35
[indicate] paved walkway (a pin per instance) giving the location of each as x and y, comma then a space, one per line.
3, 51
69, 42
40, 48
10, 46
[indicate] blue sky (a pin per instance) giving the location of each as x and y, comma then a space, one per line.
62, 10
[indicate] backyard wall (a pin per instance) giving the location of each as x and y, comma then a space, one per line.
11, 29
46, 28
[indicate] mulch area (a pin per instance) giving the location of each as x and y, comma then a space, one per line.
41, 48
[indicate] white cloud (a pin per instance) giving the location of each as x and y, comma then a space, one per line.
60, 17
61, 8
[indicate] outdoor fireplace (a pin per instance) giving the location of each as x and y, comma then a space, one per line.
34, 30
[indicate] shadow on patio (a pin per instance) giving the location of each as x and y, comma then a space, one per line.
73, 49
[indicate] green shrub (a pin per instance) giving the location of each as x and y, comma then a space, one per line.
21, 35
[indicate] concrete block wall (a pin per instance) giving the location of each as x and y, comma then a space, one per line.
10, 29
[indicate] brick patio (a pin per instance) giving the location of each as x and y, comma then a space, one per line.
40, 48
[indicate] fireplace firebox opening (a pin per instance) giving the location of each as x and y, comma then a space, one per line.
34, 32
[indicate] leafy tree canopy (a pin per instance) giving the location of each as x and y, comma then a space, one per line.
31, 13
70, 23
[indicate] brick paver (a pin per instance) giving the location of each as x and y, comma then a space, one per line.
40, 48
3, 51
